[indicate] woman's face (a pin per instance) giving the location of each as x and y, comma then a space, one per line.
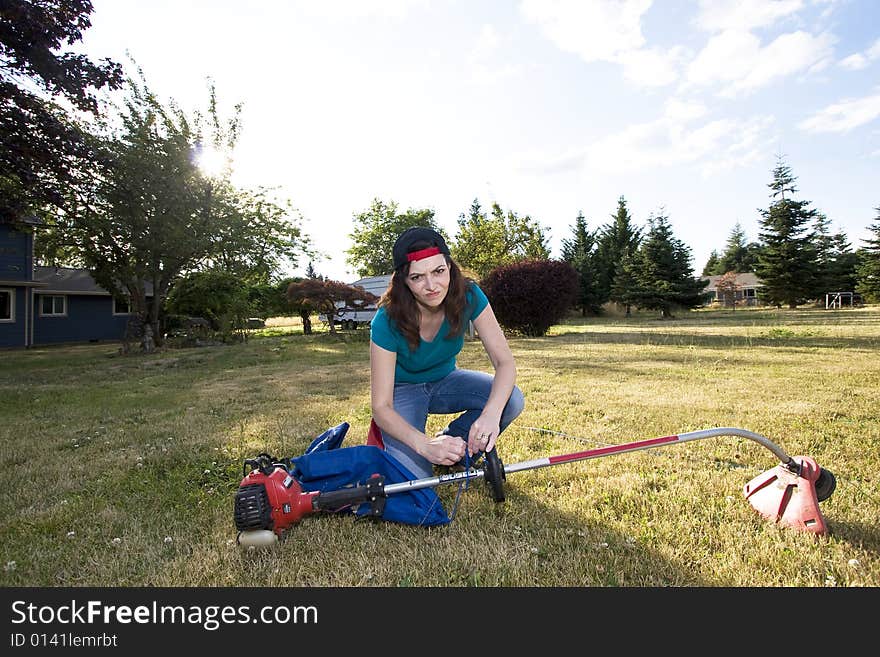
428, 280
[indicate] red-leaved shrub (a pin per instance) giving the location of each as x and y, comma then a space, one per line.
529, 296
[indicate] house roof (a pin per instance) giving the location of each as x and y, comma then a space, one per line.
743, 280
64, 280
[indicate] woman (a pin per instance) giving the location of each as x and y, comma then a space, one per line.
415, 337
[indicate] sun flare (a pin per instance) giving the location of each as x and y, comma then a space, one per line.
211, 161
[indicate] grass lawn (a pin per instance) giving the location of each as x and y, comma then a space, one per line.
121, 470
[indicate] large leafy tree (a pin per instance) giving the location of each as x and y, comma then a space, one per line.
488, 240
869, 271
618, 241
661, 272
152, 215
579, 252
375, 231
255, 233
42, 146
786, 261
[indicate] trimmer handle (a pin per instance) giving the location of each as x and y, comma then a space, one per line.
372, 491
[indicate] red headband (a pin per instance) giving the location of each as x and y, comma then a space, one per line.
423, 253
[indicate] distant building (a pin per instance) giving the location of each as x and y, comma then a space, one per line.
51, 305
748, 287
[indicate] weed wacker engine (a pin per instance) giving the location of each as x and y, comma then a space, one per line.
269, 500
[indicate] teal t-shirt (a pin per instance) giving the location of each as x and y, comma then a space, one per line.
432, 360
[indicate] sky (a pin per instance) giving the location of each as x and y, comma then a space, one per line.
549, 108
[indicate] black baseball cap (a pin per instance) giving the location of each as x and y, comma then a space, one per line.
416, 243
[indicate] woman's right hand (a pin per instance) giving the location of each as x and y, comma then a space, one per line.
444, 449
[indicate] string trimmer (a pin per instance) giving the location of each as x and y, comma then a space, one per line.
269, 499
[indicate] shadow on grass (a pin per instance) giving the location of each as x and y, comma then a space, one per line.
776, 338
863, 535
521, 542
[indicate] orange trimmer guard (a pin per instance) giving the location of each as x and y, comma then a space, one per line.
789, 498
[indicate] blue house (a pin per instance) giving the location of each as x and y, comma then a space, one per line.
49, 305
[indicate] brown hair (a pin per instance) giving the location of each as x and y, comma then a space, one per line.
402, 308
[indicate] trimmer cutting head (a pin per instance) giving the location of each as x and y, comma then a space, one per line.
789, 495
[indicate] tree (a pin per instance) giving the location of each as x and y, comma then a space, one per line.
529, 296
375, 232
662, 271
711, 267
484, 242
786, 259
152, 216
869, 270
327, 298
626, 288
269, 299
618, 240
727, 288
219, 296
254, 232
835, 262
42, 147
579, 252
739, 255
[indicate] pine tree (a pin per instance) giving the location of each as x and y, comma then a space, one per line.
711, 267
739, 256
786, 259
579, 252
662, 271
836, 264
869, 270
617, 241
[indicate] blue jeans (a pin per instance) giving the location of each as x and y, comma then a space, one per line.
460, 390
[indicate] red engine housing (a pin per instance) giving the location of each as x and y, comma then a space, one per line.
271, 501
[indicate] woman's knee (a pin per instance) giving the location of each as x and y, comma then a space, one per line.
515, 405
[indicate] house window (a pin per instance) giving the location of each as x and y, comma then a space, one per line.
750, 292
52, 305
121, 307
7, 306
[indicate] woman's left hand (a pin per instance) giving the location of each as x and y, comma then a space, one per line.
482, 436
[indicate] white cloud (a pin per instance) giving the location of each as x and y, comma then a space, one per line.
715, 145
737, 58
349, 10
728, 56
651, 67
844, 115
859, 60
723, 15
682, 111
609, 31
854, 62
483, 61
597, 30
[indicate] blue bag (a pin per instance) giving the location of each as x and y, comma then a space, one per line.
325, 466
